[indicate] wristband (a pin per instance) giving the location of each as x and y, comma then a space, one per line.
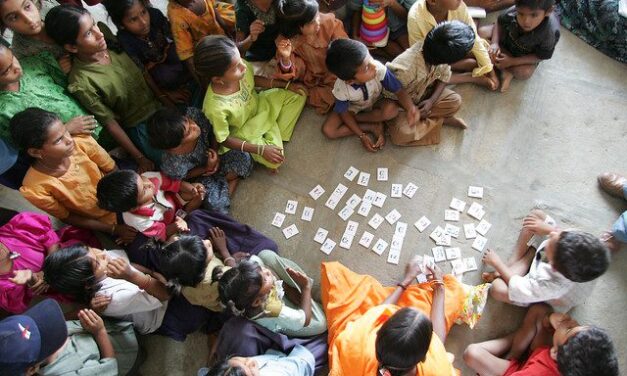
401, 286
229, 258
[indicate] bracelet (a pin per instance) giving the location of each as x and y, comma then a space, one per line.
242, 146
263, 148
113, 229
228, 258
362, 135
437, 282
285, 67
271, 83
145, 285
288, 84
401, 286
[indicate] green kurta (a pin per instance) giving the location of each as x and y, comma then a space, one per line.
265, 118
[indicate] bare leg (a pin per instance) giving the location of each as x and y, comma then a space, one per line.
485, 32
383, 110
523, 72
506, 79
393, 49
454, 122
403, 41
232, 183
333, 127
464, 65
485, 81
484, 358
530, 329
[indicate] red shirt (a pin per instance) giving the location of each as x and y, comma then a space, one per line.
539, 363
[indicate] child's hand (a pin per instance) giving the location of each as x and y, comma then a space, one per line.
100, 302
435, 271
412, 269
81, 125
181, 225
213, 163
494, 51
119, 268
537, 225
300, 278
382, 3
425, 108
298, 88
239, 256
21, 277
490, 258
256, 28
90, 321
284, 49
273, 154
199, 190
413, 115
179, 96
503, 61
126, 234
218, 239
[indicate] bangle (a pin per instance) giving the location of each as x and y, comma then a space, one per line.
163, 95
285, 67
113, 229
437, 282
259, 149
143, 286
229, 258
288, 84
362, 135
271, 83
263, 148
242, 146
401, 286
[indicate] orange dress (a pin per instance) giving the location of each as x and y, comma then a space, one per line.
352, 304
308, 62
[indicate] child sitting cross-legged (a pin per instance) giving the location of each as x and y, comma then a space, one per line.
359, 108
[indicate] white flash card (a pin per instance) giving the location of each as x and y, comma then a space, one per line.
379, 200
291, 206
346, 241
401, 228
476, 211
382, 174
307, 214
458, 267
452, 230
410, 190
366, 239
278, 220
321, 235
427, 261
483, 227
437, 233
353, 201
380, 246
363, 179
351, 173
375, 221
422, 223
369, 196
469, 231
393, 216
457, 204
346, 212
397, 241
439, 254
290, 231
451, 215
476, 192
331, 203
364, 209
316, 192
397, 191
470, 264
453, 253
327, 246
421, 278
444, 240
393, 256
339, 191
479, 243
351, 228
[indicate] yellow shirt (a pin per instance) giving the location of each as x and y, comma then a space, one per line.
206, 293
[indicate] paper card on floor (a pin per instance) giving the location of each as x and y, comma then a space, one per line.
382, 174
346, 212
290, 231
470, 264
364, 209
453, 253
475, 211
375, 221
401, 228
353, 201
483, 227
469, 231
346, 241
316, 192
278, 220
321, 235
397, 191
451, 215
327, 246
458, 267
476, 192
351, 173
421, 278
307, 214
393, 216
379, 200
438, 254
366, 239
331, 203
363, 179
457, 204
422, 223
339, 191
479, 243
452, 230
369, 196
397, 241
351, 228
380, 246
291, 206
444, 240
394, 255
437, 233
410, 190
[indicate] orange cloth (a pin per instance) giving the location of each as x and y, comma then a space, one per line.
75, 191
354, 315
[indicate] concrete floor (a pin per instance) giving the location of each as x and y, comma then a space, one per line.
539, 145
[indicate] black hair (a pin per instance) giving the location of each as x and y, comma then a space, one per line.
213, 55
3, 27
117, 9
182, 262
545, 5
403, 341
294, 14
70, 272
448, 43
117, 192
580, 256
344, 57
29, 128
588, 352
222, 368
166, 128
238, 287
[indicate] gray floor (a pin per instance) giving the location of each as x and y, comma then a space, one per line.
539, 145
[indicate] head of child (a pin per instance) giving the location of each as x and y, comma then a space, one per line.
581, 350
217, 60
443, 5
577, 255
76, 271
75, 29
403, 342
41, 134
531, 13
10, 68
124, 190
130, 15
298, 17
21, 16
448, 43
235, 366
169, 130
244, 288
350, 61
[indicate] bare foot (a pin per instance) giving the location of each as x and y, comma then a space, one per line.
507, 77
610, 241
232, 185
378, 130
489, 277
455, 122
487, 82
273, 171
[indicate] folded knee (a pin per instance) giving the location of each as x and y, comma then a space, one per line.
472, 352
329, 132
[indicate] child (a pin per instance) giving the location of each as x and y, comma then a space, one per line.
299, 362
557, 344
302, 49
106, 82
145, 35
256, 31
523, 36
424, 15
191, 153
615, 185
359, 110
548, 265
150, 202
274, 292
243, 119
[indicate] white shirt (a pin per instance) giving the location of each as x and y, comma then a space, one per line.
343, 91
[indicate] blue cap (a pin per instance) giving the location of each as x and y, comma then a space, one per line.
28, 339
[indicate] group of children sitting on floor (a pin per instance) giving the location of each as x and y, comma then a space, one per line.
144, 136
